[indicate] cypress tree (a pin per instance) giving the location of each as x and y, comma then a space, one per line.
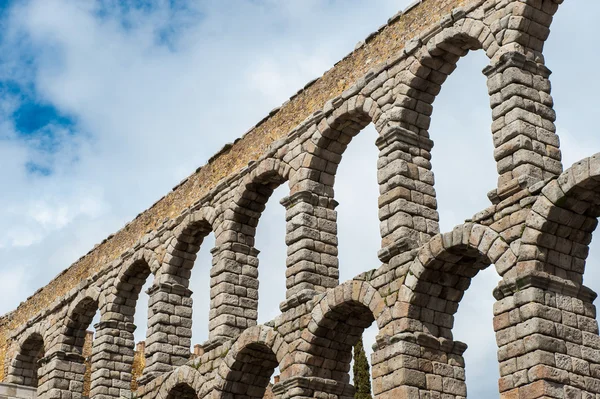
362, 374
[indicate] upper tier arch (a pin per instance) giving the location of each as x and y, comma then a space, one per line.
396, 95
561, 222
441, 273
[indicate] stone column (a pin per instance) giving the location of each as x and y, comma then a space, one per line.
419, 366
61, 376
525, 140
112, 360
407, 200
311, 239
233, 292
169, 335
548, 340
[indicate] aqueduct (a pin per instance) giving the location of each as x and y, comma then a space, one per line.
536, 234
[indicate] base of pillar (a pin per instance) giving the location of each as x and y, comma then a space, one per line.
401, 245
214, 343
146, 378
423, 339
312, 387
297, 299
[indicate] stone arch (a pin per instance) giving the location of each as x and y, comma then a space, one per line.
79, 317
428, 298
184, 382
311, 229
356, 292
441, 273
337, 322
65, 346
253, 192
548, 280
408, 201
31, 347
122, 296
427, 70
250, 362
169, 334
113, 348
185, 244
234, 276
322, 153
559, 227
526, 146
250, 199
407, 198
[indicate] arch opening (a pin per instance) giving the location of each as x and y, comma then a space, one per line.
79, 321
200, 295
251, 200
461, 113
186, 245
332, 339
559, 228
442, 272
270, 236
79, 333
442, 297
473, 324
113, 364
250, 373
338, 323
435, 285
234, 276
182, 391
25, 366
129, 287
191, 245
357, 191
142, 333
339, 331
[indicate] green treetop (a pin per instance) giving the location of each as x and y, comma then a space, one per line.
362, 375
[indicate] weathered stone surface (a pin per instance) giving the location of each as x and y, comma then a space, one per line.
536, 235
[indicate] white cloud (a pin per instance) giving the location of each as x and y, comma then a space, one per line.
15, 277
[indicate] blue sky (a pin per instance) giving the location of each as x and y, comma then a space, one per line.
105, 105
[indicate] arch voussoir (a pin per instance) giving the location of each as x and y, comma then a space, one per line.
199, 219
256, 352
235, 251
31, 345
174, 387
552, 255
429, 297
442, 271
562, 221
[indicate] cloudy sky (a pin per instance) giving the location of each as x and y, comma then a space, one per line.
107, 104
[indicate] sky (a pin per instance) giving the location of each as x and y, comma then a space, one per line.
105, 105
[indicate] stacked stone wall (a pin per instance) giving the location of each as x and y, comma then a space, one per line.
385, 43
535, 234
